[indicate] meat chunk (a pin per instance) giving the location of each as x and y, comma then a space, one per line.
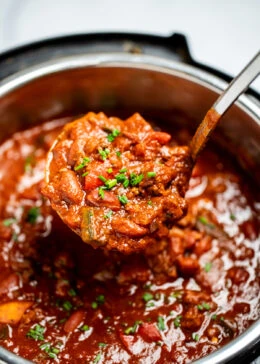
131, 174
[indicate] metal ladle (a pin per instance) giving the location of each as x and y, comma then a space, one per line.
237, 86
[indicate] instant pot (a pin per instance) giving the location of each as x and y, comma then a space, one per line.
150, 74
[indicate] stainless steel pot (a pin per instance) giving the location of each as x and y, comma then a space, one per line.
123, 82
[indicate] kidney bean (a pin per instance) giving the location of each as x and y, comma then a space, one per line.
128, 227
110, 200
74, 321
70, 188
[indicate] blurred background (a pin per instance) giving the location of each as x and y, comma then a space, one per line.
224, 34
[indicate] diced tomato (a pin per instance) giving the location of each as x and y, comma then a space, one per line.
127, 340
100, 169
109, 200
149, 332
160, 136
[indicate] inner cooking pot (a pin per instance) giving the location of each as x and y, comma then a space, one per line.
118, 83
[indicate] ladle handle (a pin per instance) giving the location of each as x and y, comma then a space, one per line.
238, 85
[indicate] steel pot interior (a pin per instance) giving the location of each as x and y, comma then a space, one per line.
121, 84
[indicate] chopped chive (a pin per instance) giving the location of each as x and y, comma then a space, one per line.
195, 336
208, 267
8, 222
151, 174
123, 170
67, 305
204, 221
132, 329
72, 292
84, 328
177, 321
135, 179
114, 133
108, 215
161, 323
232, 217
147, 296
149, 203
123, 199
100, 299
110, 183
102, 178
36, 332
118, 153
121, 177
84, 162
103, 153
101, 192
94, 305
85, 174
102, 345
214, 317
126, 183
97, 358
110, 170
33, 214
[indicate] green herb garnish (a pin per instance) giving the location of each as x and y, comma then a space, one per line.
104, 153
195, 336
52, 351
36, 333
135, 179
161, 323
110, 170
149, 203
67, 305
204, 306
84, 328
84, 162
102, 345
147, 296
97, 358
123, 199
32, 214
177, 321
114, 133
85, 174
132, 329
108, 215
72, 292
101, 192
110, 183
123, 170
151, 174
118, 153
10, 221
102, 178
208, 267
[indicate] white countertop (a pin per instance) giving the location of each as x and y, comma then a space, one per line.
223, 34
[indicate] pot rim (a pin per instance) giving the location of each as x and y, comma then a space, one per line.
250, 105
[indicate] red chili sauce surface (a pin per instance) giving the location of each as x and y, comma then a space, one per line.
181, 299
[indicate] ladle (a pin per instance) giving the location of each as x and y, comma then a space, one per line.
238, 85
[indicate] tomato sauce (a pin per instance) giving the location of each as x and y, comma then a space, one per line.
180, 299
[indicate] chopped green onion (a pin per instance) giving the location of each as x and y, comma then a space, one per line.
195, 336
132, 329
147, 296
36, 332
203, 220
126, 183
102, 345
108, 215
135, 179
84, 162
208, 267
161, 323
104, 153
110, 183
123, 170
110, 170
32, 214
102, 178
100, 299
177, 321
232, 217
118, 153
151, 174
85, 174
121, 177
149, 203
114, 133
84, 328
10, 221
123, 199
94, 305
72, 292
67, 305
101, 192
97, 358
214, 317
